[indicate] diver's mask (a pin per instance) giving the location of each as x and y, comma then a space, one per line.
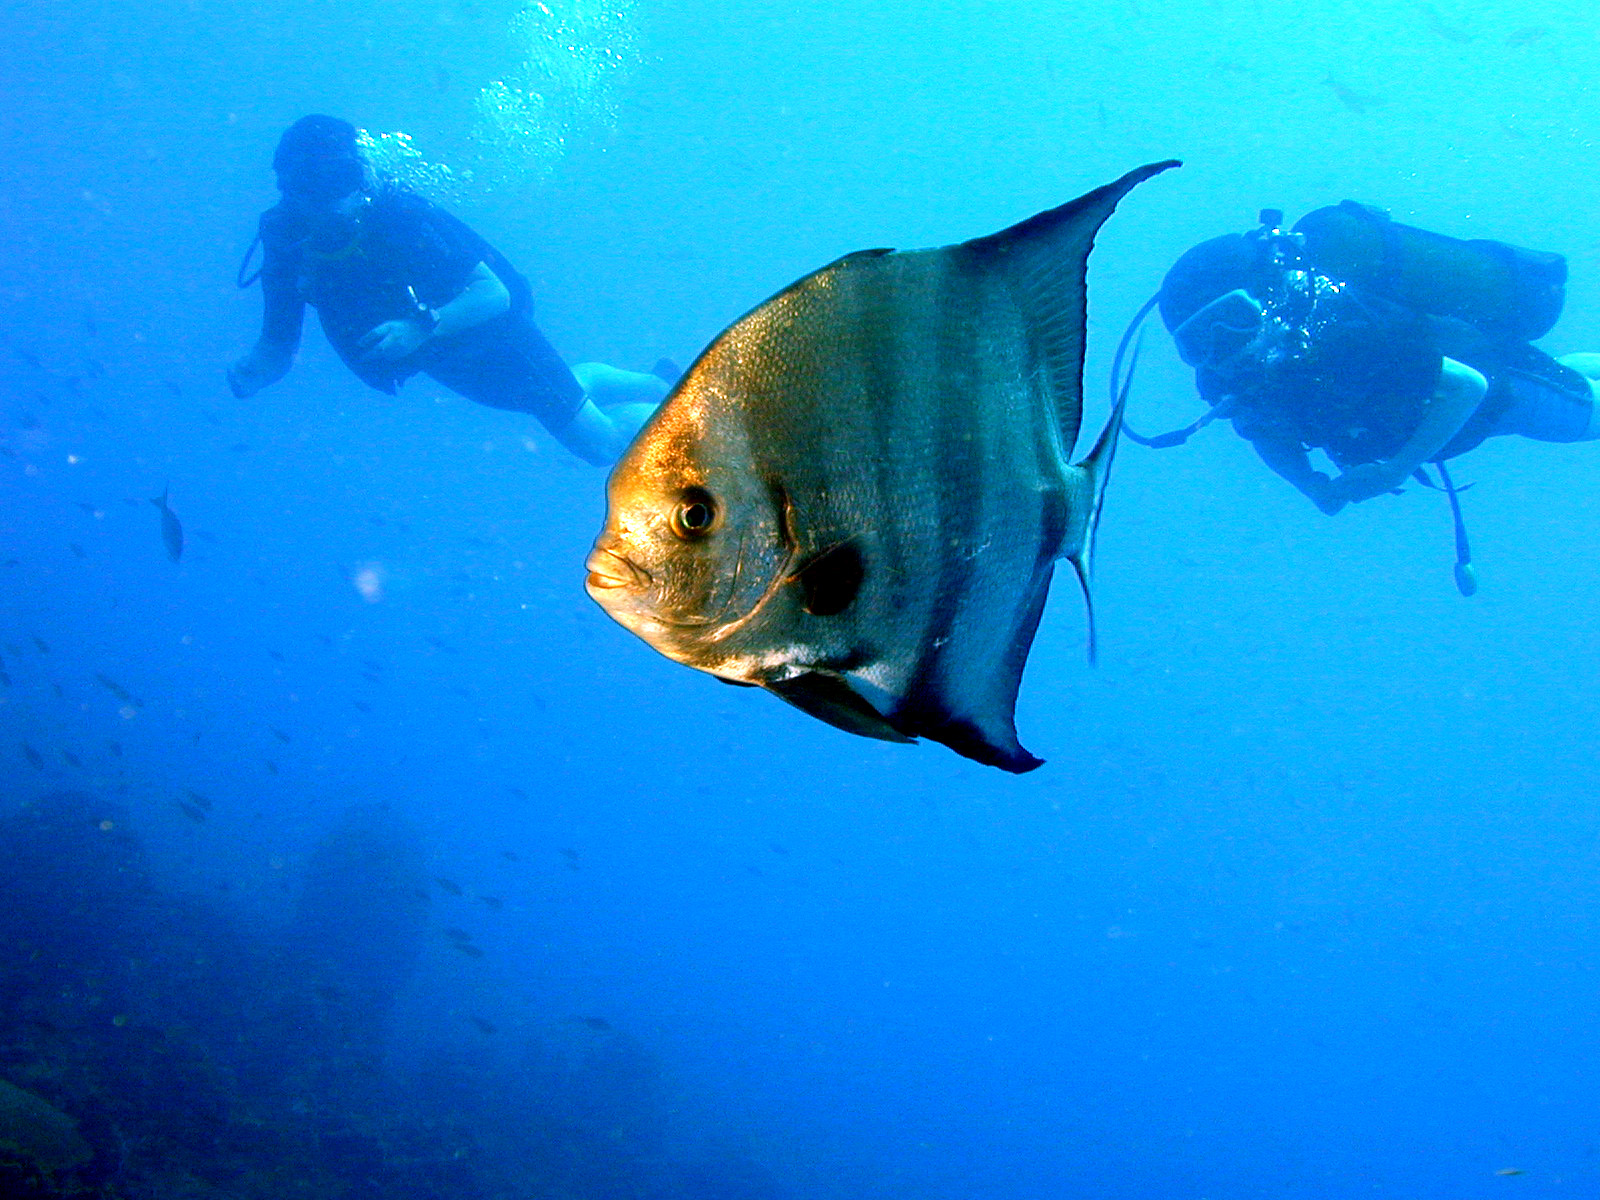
318, 182
1218, 335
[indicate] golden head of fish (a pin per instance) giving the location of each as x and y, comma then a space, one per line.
694, 544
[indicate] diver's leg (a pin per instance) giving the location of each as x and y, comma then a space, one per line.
616, 405
1587, 365
599, 436
610, 386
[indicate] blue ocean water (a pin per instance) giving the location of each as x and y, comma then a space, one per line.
359, 854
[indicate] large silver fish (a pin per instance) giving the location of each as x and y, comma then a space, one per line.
856, 496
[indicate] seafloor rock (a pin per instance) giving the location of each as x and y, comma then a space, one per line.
37, 1134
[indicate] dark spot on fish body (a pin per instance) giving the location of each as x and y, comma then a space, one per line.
830, 581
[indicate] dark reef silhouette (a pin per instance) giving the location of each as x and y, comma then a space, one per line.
150, 1049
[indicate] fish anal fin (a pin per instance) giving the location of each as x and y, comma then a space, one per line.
1045, 260
975, 713
829, 698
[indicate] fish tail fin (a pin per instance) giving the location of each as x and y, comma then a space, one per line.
1089, 479
161, 500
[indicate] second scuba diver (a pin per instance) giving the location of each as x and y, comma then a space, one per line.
1384, 346
402, 287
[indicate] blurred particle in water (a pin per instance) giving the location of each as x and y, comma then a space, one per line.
368, 581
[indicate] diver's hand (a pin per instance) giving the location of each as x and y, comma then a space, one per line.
1362, 482
1318, 488
394, 339
255, 371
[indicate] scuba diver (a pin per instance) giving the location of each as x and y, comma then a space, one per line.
401, 286
1384, 346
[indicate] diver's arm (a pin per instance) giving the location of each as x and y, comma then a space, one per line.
1289, 461
1455, 398
482, 299
283, 315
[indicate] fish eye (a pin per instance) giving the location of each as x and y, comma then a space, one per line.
695, 514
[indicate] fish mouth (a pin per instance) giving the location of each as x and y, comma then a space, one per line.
609, 571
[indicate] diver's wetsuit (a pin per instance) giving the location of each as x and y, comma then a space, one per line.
409, 252
1351, 373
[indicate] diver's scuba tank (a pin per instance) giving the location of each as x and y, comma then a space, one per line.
1496, 287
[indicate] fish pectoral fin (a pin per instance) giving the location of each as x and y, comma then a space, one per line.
829, 698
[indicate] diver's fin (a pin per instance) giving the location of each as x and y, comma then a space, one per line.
829, 698
1045, 259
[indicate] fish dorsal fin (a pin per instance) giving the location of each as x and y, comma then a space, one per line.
829, 698
1045, 259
